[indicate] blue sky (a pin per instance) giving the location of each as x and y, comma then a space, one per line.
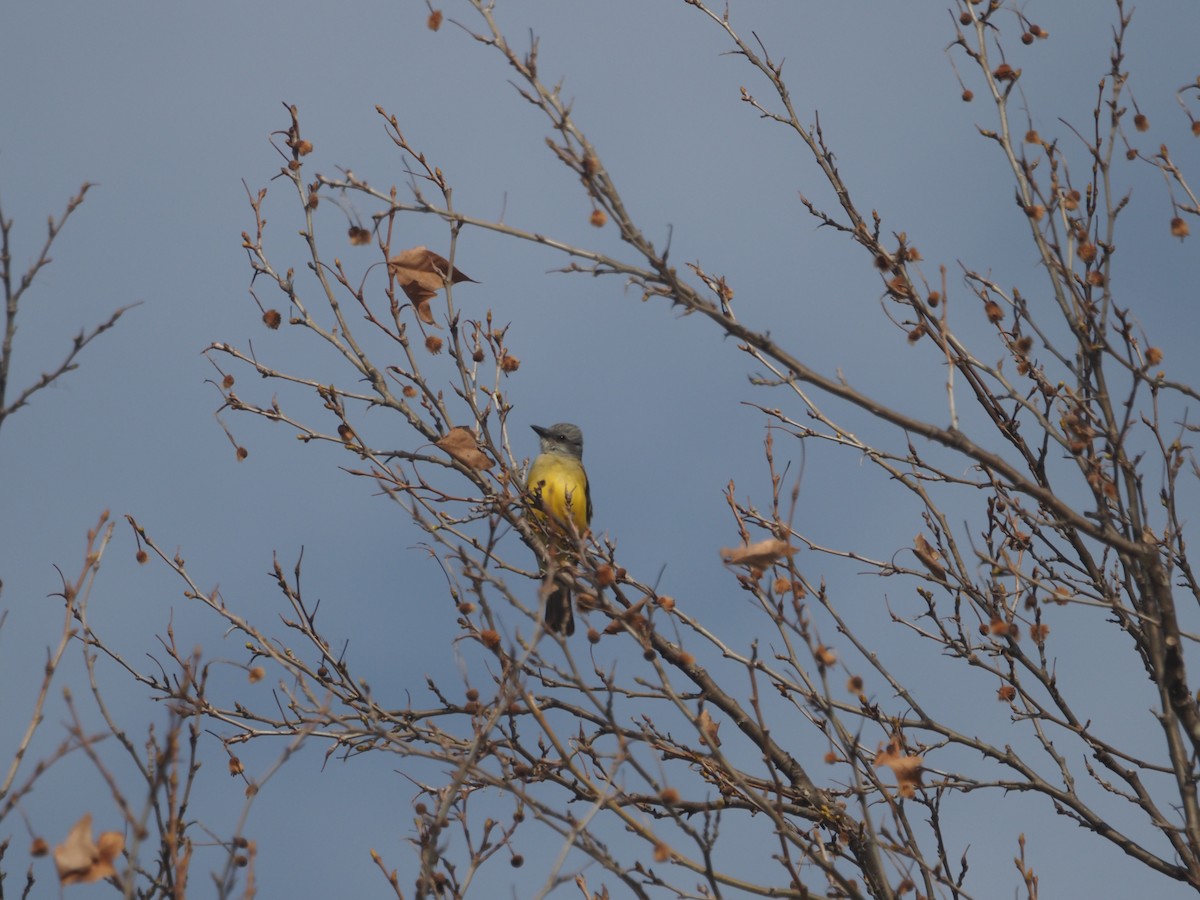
167, 108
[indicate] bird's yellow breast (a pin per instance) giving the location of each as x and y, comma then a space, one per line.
559, 487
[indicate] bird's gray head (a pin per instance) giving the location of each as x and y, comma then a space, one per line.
562, 438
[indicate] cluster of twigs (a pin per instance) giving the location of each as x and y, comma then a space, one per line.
16, 284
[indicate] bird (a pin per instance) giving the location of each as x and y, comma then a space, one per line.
562, 502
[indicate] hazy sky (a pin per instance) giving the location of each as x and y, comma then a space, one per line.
167, 109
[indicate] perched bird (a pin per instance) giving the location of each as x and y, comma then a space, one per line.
562, 501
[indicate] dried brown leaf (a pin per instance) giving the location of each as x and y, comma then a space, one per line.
907, 769
708, 729
421, 273
461, 444
929, 557
80, 860
757, 556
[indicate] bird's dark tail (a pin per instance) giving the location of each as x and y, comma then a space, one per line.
560, 617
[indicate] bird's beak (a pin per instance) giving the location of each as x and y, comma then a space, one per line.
539, 430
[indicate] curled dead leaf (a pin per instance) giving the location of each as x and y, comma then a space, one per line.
421, 273
929, 557
80, 860
907, 769
757, 556
461, 444
708, 729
